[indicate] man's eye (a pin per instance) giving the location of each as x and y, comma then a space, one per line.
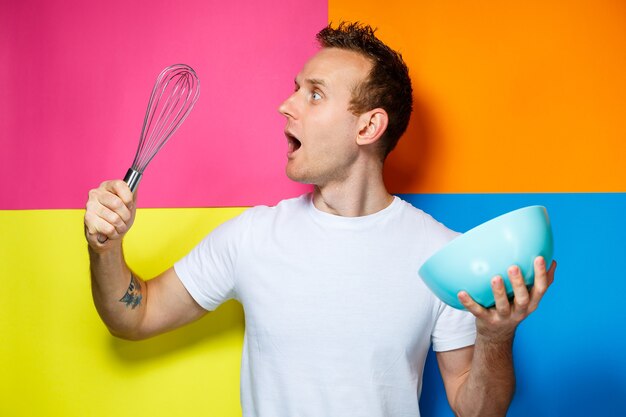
316, 96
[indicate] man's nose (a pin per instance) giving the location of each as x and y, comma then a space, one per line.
287, 108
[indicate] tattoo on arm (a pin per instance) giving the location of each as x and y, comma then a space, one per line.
133, 296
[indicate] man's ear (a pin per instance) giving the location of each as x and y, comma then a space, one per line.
372, 125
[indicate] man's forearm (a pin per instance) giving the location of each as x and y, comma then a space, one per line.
119, 296
489, 387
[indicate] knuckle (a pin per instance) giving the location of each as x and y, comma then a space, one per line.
119, 185
107, 229
120, 225
523, 302
501, 313
111, 218
126, 216
517, 280
540, 290
91, 205
89, 228
93, 194
116, 203
89, 219
493, 321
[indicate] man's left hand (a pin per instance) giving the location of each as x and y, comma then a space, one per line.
498, 324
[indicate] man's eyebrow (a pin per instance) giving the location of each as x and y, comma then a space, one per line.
313, 81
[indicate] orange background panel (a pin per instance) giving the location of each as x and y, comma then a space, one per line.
510, 96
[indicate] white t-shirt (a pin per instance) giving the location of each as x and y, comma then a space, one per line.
338, 321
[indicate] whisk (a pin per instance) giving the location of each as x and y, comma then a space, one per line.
175, 92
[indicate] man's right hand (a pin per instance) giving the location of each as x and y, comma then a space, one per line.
110, 214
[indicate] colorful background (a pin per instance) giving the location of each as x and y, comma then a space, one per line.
517, 103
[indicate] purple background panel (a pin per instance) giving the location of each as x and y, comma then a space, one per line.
75, 78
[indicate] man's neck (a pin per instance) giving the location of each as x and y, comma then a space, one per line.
353, 198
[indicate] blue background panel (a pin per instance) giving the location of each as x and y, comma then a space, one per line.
570, 355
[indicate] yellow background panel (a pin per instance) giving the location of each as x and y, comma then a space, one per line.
58, 359
524, 96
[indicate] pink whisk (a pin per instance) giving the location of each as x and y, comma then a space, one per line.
174, 94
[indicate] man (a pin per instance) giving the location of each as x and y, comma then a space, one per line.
337, 321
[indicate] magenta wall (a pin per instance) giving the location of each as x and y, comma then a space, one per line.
78, 79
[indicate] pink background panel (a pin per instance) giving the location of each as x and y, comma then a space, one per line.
75, 78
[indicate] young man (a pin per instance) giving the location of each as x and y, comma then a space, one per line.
338, 322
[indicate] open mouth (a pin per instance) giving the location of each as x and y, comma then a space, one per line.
293, 142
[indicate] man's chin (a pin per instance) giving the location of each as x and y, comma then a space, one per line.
296, 176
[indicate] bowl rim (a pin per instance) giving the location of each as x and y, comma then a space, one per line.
458, 240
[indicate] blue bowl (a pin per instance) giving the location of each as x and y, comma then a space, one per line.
471, 260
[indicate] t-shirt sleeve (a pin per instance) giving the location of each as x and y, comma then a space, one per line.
453, 329
208, 271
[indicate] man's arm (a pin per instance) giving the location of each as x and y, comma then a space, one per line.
480, 379
130, 307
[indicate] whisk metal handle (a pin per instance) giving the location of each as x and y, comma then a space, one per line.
132, 178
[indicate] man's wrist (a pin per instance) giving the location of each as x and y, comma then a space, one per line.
502, 338
109, 248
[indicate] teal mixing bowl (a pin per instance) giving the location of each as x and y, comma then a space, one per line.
471, 260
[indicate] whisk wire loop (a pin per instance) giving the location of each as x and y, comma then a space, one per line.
173, 96
180, 87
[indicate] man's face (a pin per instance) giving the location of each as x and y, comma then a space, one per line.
321, 131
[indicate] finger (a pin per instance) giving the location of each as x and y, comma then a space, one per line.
99, 200
119, 218
521, 296
121, 226
96, 225
471, 305
120, 189
116, 204
543, 279
93, 237
503, 306
109, 212
111, 208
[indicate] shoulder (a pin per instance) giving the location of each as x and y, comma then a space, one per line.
287, 206
252, 225
259, 218
435, 232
